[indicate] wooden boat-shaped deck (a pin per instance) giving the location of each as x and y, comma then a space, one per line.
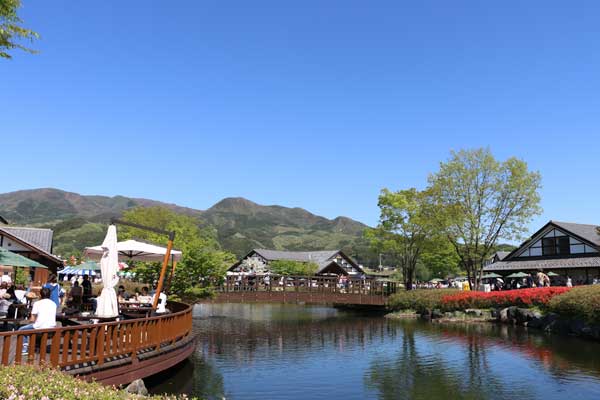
113, 353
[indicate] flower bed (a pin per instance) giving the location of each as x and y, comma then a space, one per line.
419, 300
33, 383
521, 298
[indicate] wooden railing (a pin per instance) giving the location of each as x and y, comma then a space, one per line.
97, 344
315, 289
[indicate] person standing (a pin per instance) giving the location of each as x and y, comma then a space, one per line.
55, 290
87, 287
569, 282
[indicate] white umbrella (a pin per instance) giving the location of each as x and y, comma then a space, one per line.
132, 249
109, 265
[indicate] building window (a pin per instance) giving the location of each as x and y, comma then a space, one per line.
555, 245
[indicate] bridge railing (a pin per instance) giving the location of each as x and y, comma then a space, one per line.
308, 284
96, 344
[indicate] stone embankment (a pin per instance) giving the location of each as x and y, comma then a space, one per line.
530, 318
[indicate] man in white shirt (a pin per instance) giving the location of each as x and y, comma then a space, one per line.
43, 316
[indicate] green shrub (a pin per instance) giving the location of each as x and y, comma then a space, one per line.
580, 302
34, 383
290, 267
197, 293
419, 300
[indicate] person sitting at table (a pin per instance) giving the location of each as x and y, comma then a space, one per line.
122, 295
3, 288
43, 316
144, 297
76, 294
4, 304
20, 293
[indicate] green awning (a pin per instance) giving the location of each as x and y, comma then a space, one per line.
552, 274
518, 275
492, 275
10, 259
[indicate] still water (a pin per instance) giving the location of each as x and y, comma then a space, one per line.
296, 352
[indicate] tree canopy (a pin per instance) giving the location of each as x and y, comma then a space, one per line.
403, 229
289, 267
203, 263
476, 200
12, 33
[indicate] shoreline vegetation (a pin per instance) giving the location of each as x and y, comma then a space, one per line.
573, 311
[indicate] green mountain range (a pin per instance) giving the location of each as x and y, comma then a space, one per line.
80, 220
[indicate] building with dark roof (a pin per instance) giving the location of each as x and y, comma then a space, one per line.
328, 261
33, 243
565, 248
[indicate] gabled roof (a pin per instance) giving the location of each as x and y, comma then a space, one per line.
43, 252
501, 255
584, 231
317, 257
322, 258
41, 238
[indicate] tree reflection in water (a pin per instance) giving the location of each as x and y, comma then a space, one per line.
420, 371
289, 352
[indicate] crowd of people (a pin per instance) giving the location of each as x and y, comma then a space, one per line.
19, 303
530, 280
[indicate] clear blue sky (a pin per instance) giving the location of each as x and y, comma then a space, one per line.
309, 103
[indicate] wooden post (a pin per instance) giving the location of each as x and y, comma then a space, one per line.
163, 270
174, 265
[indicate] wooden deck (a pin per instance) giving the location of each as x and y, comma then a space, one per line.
302, 289
113, 352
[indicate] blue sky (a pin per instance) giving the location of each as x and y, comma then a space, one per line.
311, 104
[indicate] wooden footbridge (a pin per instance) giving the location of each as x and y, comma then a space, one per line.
113, 352
305, 289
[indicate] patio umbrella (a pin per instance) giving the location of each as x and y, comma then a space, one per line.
518, 275
10, 259
552, 274
109, 265
90, 268
491, 275
133, 249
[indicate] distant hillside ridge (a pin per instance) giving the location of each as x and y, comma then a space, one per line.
79, 221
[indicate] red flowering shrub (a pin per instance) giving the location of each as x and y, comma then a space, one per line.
508, 298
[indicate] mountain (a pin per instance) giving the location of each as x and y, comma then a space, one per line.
79, 221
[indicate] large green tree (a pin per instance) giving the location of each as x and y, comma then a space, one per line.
477, 200
12, 33
203, 263
403, 229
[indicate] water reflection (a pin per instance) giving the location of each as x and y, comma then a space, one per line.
289, 352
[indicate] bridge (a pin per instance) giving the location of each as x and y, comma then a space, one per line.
305, 289
112, 353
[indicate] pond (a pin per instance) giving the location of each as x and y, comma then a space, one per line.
260, 351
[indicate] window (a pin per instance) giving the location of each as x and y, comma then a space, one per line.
555, 243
